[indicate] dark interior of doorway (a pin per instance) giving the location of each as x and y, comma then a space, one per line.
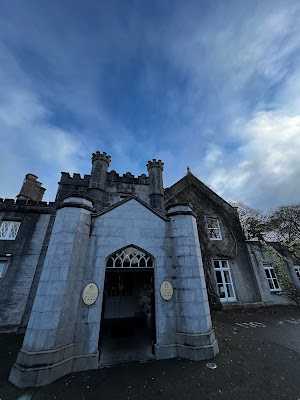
126, 333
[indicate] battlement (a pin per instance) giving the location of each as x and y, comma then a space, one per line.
75, 179
26, 205
155, 163
128, 177
101, 156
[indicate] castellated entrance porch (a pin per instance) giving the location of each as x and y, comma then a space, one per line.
65, 331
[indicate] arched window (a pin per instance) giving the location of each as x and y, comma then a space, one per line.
129, 258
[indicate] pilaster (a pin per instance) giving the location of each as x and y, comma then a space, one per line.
195, 335
48, 349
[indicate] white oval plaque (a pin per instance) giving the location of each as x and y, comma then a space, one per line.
90, 294
166, 290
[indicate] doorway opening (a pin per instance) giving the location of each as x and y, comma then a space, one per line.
127, 331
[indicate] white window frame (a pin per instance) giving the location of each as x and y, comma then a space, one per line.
4, 261
271, 279
223, 269
214, 229
12, 230
297, 272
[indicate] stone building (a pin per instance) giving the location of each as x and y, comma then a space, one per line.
118, 259
239, 272
222, 243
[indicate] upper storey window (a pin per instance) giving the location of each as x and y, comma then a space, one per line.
213, 228
9, 230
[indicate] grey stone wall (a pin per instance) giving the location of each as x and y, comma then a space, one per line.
25, 252
116, 191
38, 271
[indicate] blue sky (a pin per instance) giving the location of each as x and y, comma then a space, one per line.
214, 85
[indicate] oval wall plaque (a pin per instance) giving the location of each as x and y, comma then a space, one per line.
166, 290
90, 294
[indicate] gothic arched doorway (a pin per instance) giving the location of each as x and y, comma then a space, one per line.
127, 331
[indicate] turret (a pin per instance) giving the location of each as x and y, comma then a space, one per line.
31, 189
156, 189
100, 164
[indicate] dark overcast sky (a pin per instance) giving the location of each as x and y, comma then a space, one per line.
210, 84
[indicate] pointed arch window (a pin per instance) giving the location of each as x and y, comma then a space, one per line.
130, 258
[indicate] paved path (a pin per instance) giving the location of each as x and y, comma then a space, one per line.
280, 325
259, 359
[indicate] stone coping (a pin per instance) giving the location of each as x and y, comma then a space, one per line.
128, 198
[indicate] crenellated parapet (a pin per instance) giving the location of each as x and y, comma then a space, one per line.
74, 184
113, 176
101, 157
26, 205
155, 164
75, 179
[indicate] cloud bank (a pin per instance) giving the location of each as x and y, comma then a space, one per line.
211, 85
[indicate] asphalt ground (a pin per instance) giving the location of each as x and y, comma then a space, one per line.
259, 359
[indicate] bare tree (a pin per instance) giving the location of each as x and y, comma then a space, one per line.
284, 222
280, 225
253, 221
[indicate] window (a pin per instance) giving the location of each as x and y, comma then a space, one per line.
224, 280
129, 258
9, 230
297, 271
213, 228
3, 267
272, 278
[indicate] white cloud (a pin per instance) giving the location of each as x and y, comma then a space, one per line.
268, 170
213, 155
239, 67
29, 141
234, 62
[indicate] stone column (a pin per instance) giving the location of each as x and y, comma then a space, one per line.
195, 335
156, 189
48, 348
100, 164
97, 187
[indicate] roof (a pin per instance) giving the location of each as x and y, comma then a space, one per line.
190, 179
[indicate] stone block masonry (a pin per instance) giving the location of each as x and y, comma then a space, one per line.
63, 332
49, 338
